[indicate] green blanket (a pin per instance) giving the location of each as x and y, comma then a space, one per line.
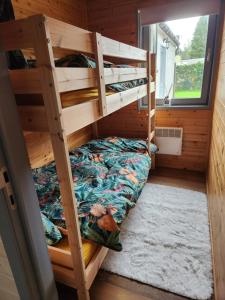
108, 176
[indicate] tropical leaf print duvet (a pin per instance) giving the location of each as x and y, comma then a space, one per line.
108, 176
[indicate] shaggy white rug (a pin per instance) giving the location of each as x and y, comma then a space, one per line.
166, 242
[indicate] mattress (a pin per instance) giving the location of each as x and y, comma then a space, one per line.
109, 175
88, 249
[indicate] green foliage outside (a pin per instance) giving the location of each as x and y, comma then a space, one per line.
196, 47
187, 94
189, 77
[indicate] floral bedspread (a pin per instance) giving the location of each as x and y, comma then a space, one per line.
108, 176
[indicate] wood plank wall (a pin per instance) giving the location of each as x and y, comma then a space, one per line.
40, 147
71, 11
118, 20
216, 179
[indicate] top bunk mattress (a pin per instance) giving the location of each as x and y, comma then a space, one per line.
109, 175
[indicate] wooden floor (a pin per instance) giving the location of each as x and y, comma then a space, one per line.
179, 178
113, 287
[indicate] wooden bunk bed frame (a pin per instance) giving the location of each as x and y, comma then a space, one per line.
46, 36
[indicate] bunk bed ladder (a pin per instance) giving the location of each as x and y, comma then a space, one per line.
45, 62
151, 61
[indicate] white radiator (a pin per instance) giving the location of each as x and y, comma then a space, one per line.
169, 140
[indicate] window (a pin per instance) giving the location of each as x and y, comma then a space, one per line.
184, 63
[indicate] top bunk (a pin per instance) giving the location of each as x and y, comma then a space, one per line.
81, 92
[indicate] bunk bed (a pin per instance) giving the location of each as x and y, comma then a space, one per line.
74, 263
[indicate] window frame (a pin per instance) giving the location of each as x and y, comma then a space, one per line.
204, 100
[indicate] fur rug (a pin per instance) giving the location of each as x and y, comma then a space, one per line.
166, 242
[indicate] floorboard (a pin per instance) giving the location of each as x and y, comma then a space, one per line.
113, 287
178, 178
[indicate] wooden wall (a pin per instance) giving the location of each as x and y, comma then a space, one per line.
216, 179
118, 20
71, 11
128, 122
8, 289
39, 145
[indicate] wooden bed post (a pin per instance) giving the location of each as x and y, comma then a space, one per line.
151, 103
97, 39
52, 102
149, 98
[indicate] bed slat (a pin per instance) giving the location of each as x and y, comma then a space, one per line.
70, 37
64, 275
95, 264
119, 100
80, 115
60, 257
117, 49
27, 81
62, 37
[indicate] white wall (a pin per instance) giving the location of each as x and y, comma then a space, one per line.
170, 64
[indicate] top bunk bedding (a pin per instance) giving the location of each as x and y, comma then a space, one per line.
108, 175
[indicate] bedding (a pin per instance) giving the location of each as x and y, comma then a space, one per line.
108, 176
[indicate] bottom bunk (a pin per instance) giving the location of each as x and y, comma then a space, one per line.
109, 175
62, 264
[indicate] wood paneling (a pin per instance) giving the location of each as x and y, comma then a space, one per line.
129, 122
216, 180
118, 20
70, 11
39, 145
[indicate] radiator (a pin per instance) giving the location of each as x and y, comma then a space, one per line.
169, 140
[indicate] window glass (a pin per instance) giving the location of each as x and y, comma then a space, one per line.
190, 57
184, 55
